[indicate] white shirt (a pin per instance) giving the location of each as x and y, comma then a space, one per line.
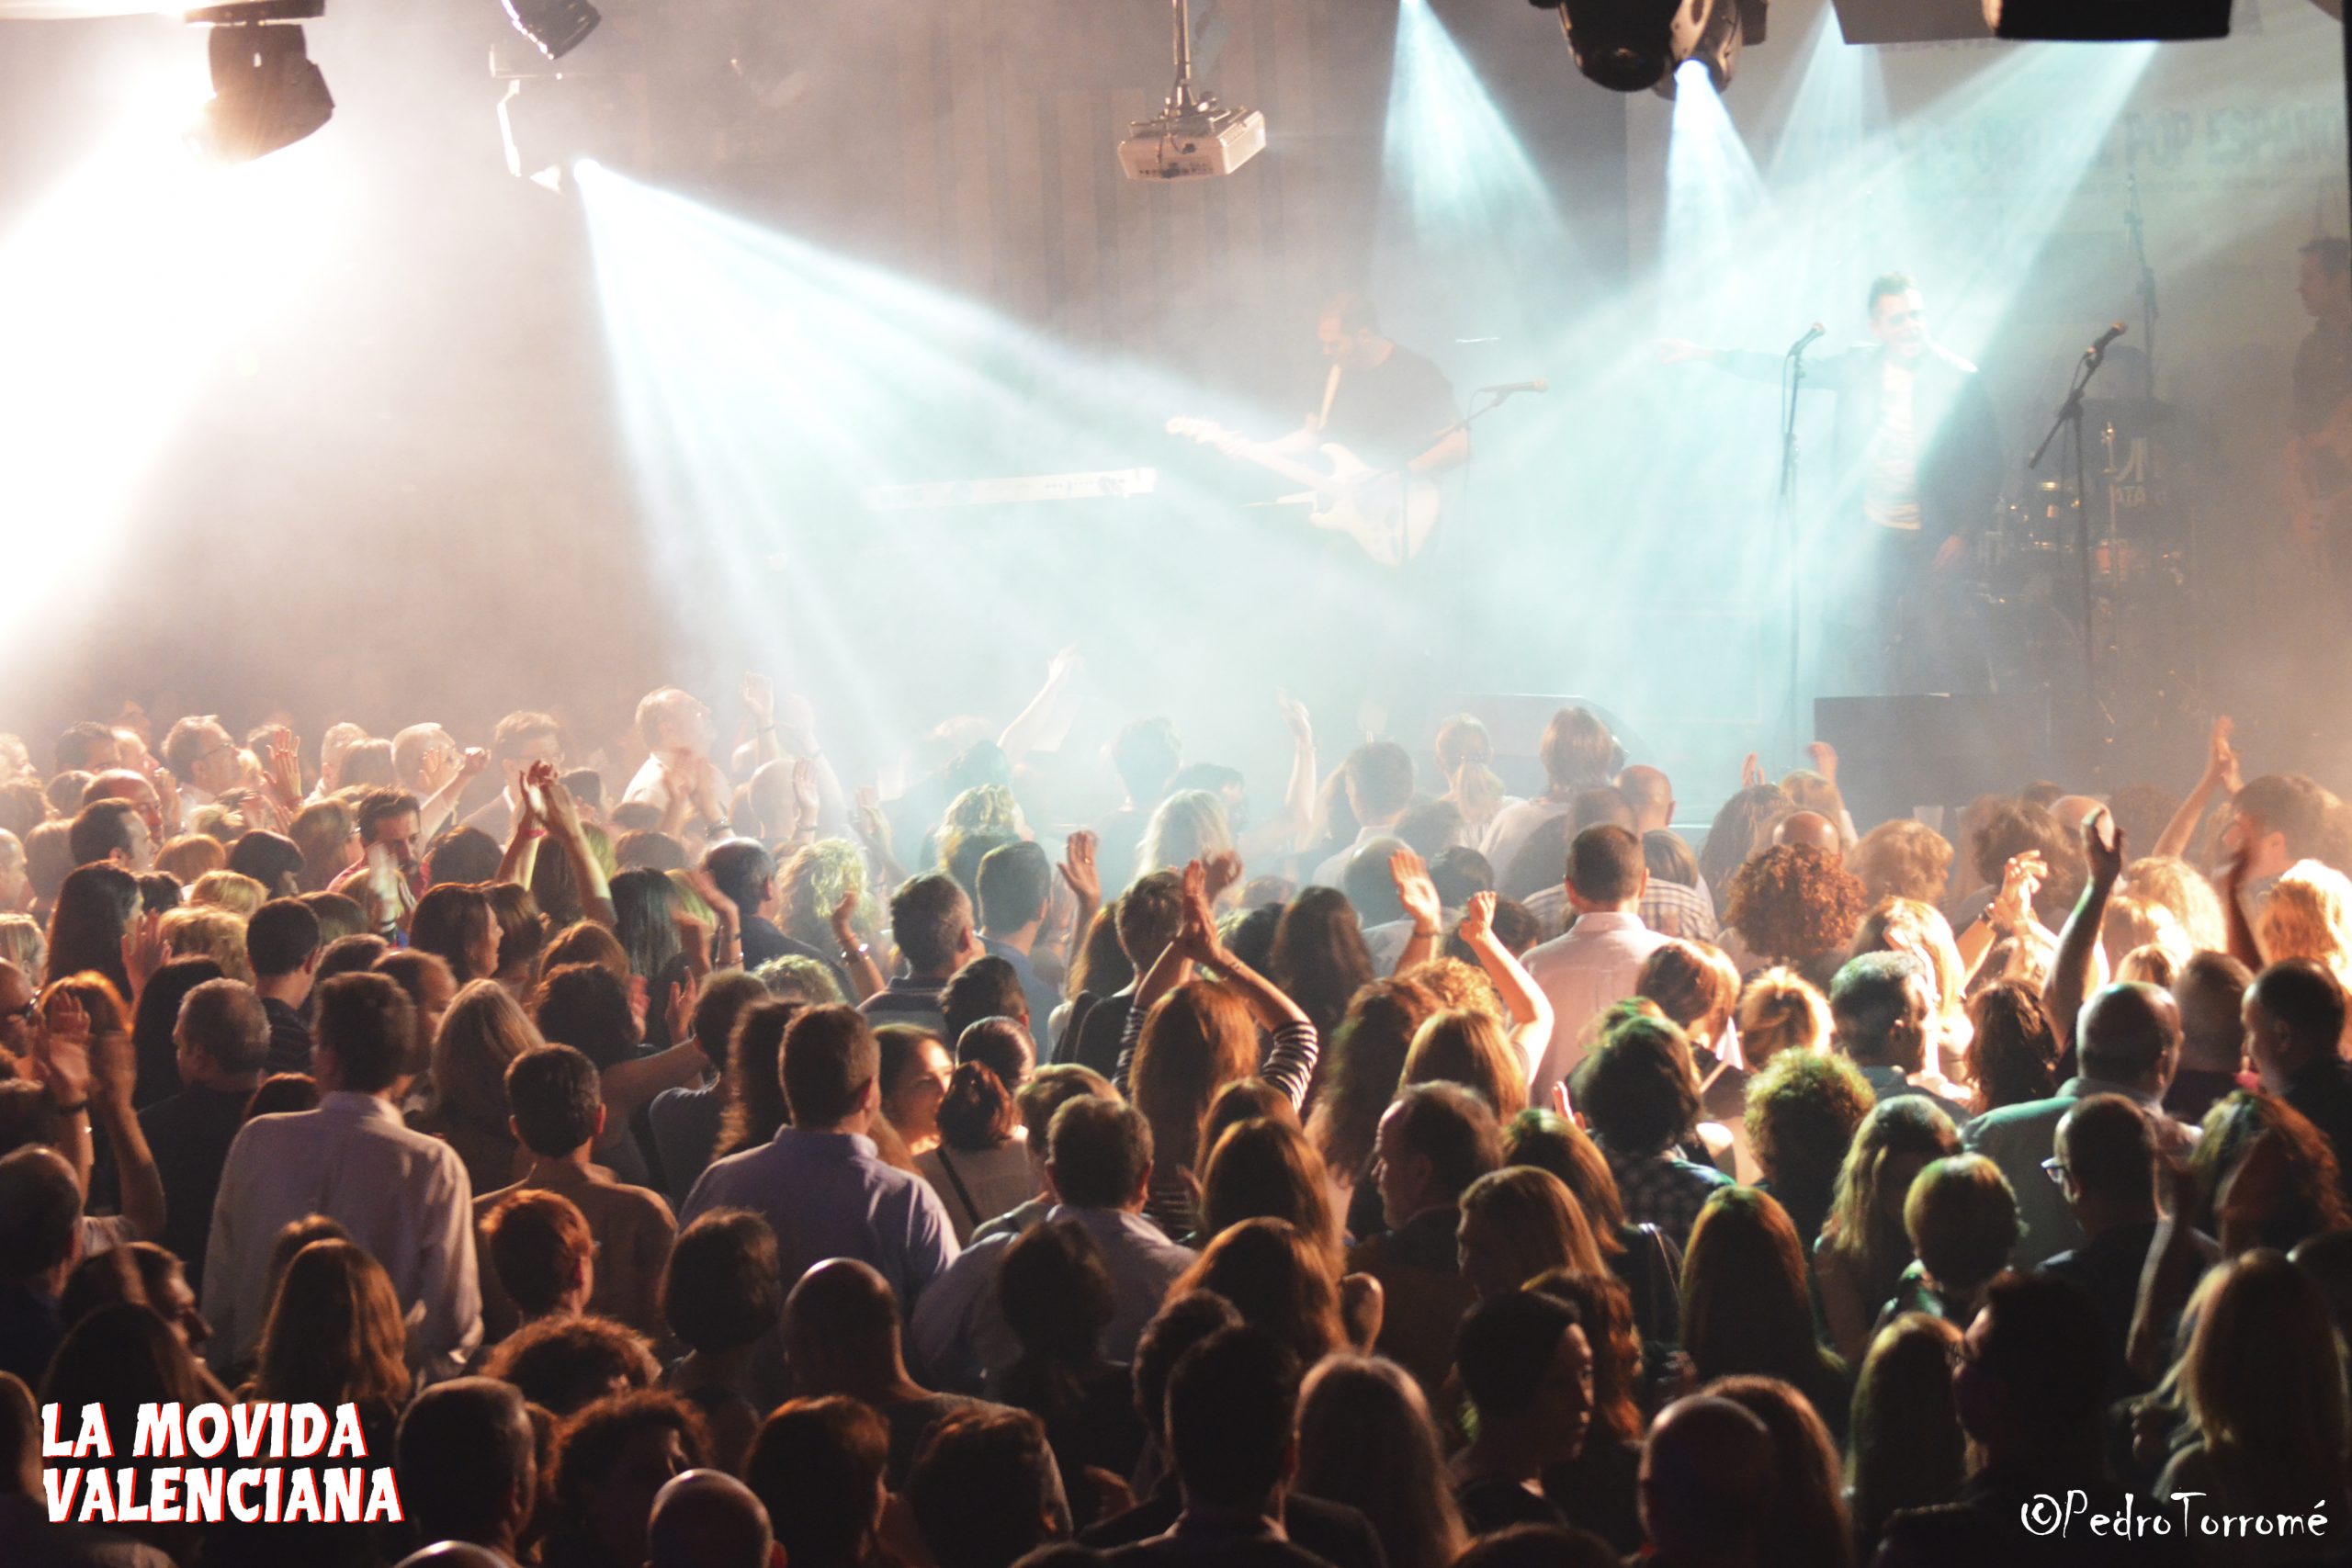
403, 1197
1582, 972
652, 784
1333, 872
1891, 493
1508, 834
959, 1334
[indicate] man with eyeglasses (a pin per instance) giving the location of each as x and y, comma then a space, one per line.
1916, 465
2106, 1167
204, 758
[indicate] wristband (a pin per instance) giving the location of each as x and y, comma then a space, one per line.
1433, 932
78, 1108
851, 954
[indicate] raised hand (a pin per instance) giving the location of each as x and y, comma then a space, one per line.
284, 774
1477, 918
1824, 758
2222, 758
758, 697
1295, 716
2103, 846
1065, 663
1415, 890
681, 1010
1078, 870
61, 1048
2021, 880
1751, 771
867, 818
1196, 937
143, 949
844, 920
804, 792
472, 762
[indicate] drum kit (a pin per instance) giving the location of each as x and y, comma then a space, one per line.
2141, 543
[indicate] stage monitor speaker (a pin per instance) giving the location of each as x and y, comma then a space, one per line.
1897, 753
2073, 21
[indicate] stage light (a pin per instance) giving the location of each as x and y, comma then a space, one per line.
1630, 45
266, 94
556, 26
1193, 139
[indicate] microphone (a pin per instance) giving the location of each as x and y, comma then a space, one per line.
1506, 389
2114, 330
1811, 333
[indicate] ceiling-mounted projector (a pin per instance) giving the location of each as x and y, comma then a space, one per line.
1193, 139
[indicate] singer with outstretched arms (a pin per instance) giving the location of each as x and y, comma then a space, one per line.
1916, 468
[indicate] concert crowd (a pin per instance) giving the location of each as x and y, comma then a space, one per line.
678, 1156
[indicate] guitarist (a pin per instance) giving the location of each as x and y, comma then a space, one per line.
2319, 453
1381, 400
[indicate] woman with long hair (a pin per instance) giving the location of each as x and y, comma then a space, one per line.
1864, 1247
2302, 1197
753, 1105
1745, 1310
1599, 1488
328, 837
335, 1335
1467, 1047
154, 1021
1517, 1222
1902, 859
123, 1357
1806, 1523
1732, 837
1919, 929
980, 1166
1265, 1168
1056, 1294
94, 911
1278, 1280
916, 1070
522, 934
2309, 915
271, 859
1639, 1256
2264, 1379
1360, 1077
1320, 958
483, 1031
1189, 825
1366, 1441
454, 922
1185, 1039
1905, 1449
2013, 1051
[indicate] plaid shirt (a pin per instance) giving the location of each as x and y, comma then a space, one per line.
1666, 908
1663, 1190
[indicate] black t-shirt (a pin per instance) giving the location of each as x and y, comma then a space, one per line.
1391, 413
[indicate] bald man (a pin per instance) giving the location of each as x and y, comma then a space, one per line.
1809, 827
1707, 1479
2130, 1044
707, 1518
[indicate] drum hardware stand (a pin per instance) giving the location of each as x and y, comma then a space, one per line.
2070, 419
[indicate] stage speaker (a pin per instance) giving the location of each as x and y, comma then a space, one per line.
1898, 754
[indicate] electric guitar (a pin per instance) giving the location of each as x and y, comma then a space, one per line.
1389, 516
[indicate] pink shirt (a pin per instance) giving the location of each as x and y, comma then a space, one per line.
1581, 973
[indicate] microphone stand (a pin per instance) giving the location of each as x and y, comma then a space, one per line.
2070, 418
2131, 221
1792, 384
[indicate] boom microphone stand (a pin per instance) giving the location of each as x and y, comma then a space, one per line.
1791, 385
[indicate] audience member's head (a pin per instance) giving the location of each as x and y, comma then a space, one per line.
1708, 1479
984, 1490
820, 1465
1434, 1143
467, 1463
